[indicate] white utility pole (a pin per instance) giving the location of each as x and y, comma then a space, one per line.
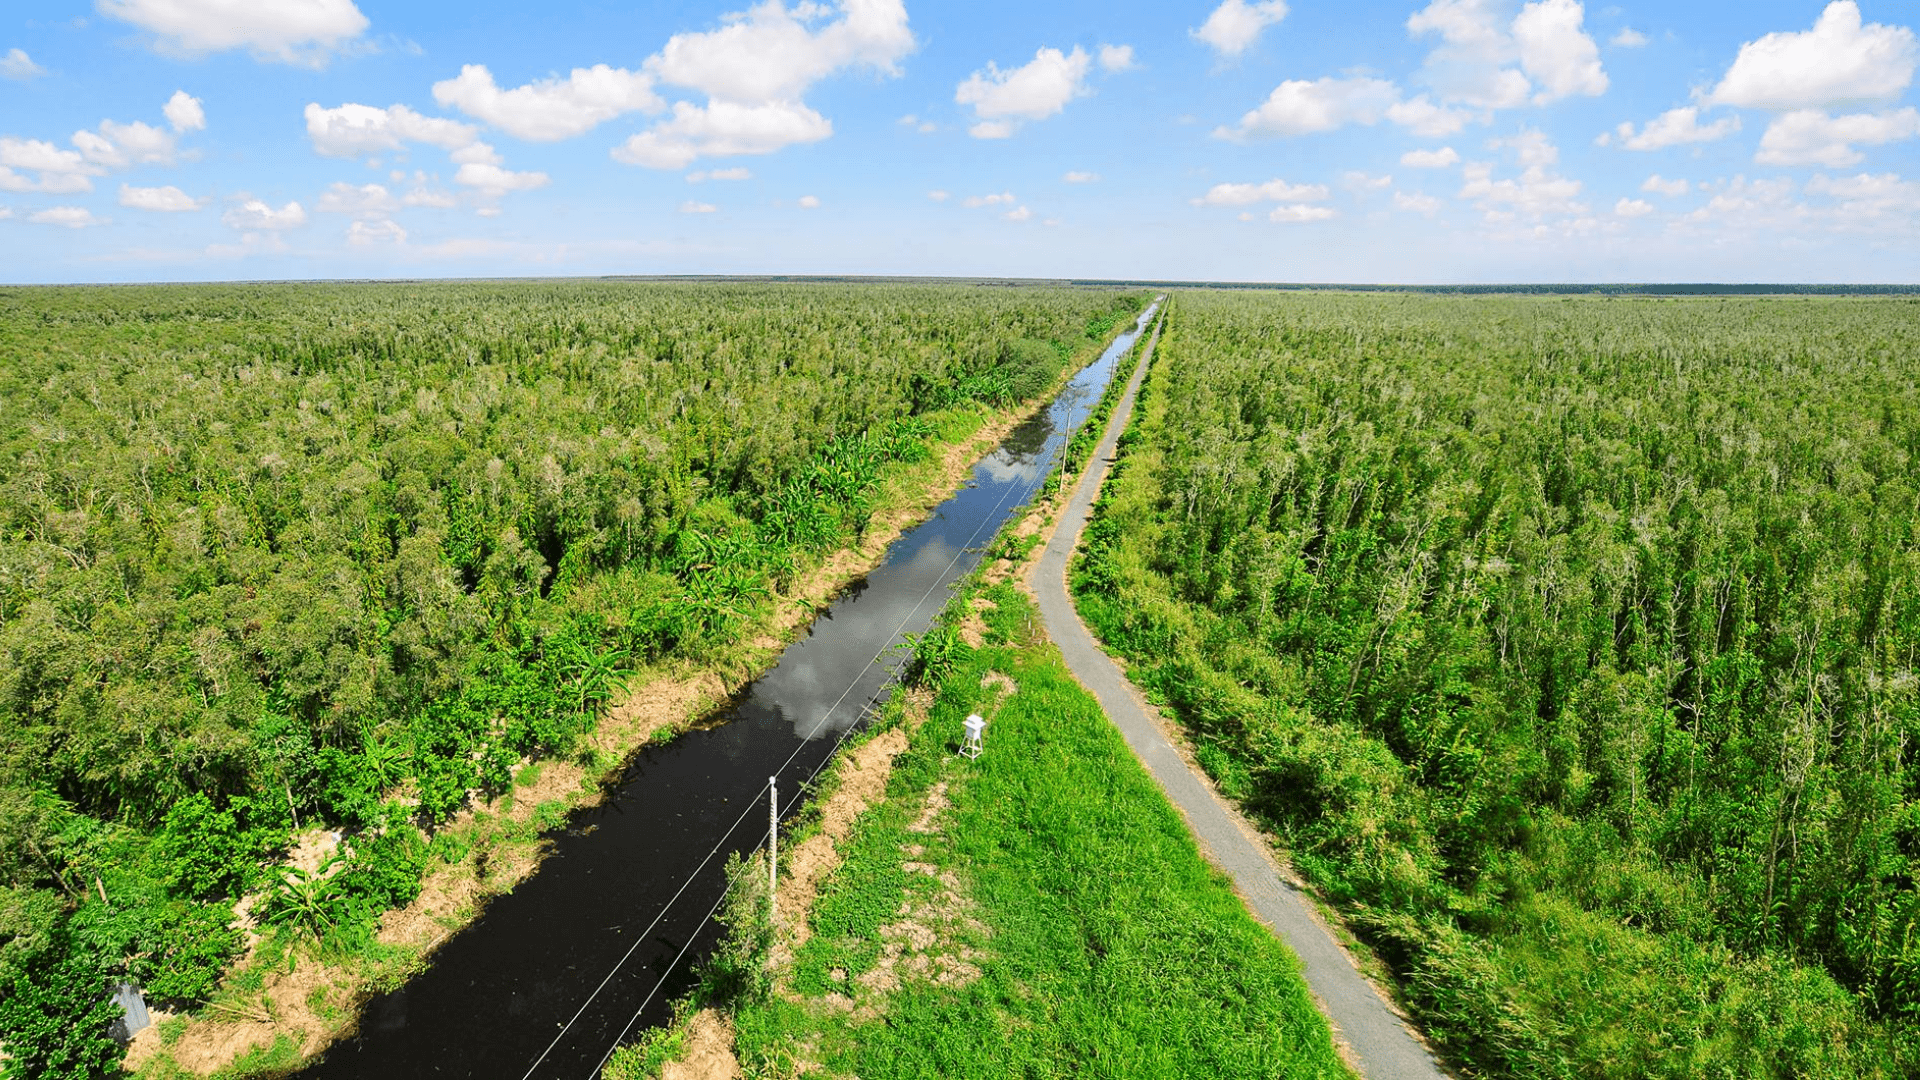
773, 843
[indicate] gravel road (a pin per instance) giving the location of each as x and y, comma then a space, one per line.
1376, 1041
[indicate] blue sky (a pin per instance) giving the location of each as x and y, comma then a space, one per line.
1305, 140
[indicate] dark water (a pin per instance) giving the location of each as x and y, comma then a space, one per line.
515, 985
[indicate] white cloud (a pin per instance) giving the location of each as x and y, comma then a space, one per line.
5, 212
184, 113
1415, 203
1752, 204
1036, 90
1019, 213
492, 181
939, 196
255, 215
809, 202
1005, 198
550, 109
691, 207
477, 153
1536, 193
703, 175
121, 146
722, 129
1628, 38
1427, 120
1669, 188
1116, 58
18, 65
61, 171
423, 195
367, 201
770, 54
70, 217
924, 127
1430, 159
1235, 25
167, 199
1867, 201
487, 211
1271, 191
1355, 180
1811, 137
1300, 214
1556, 51
1838, 62
1675, 127
754, 70
1297, 107
288, 31
356, 130
1471, 64
1081, 178
1632, 208
368, 233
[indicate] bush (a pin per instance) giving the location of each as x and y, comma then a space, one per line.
54, 1012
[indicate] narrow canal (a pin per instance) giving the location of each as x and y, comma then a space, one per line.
609, 931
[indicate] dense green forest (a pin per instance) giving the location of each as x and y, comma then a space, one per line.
278, 557
1572, 646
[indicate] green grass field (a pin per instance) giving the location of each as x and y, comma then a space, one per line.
1074, 928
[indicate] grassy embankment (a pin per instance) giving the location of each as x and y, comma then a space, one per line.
291, 995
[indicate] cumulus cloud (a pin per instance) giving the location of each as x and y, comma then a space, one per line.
355, 130
1669, 188
19, 66
1632, 208
492, 181
939, 196
1415, 203
703, 175
119, 146
1430, 159
1018, 213
1556, 52
1235, 25
367, 201
422, 195
1841, 61
168, 199
550, 109
369, 233
1081, 178
691, 207
809, 202
1427, 120
1472, 63
1116, 58
754, 70
255, 215
1812, 137
1628, 38
1005, 198
69, 217
183, 112
303, 32
1271, 191
722, 129
1538, 191
1486, 61
60, 171
1034, 91
1298, 107
1675, 127
1357, 181
1300, 214
1868, 201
